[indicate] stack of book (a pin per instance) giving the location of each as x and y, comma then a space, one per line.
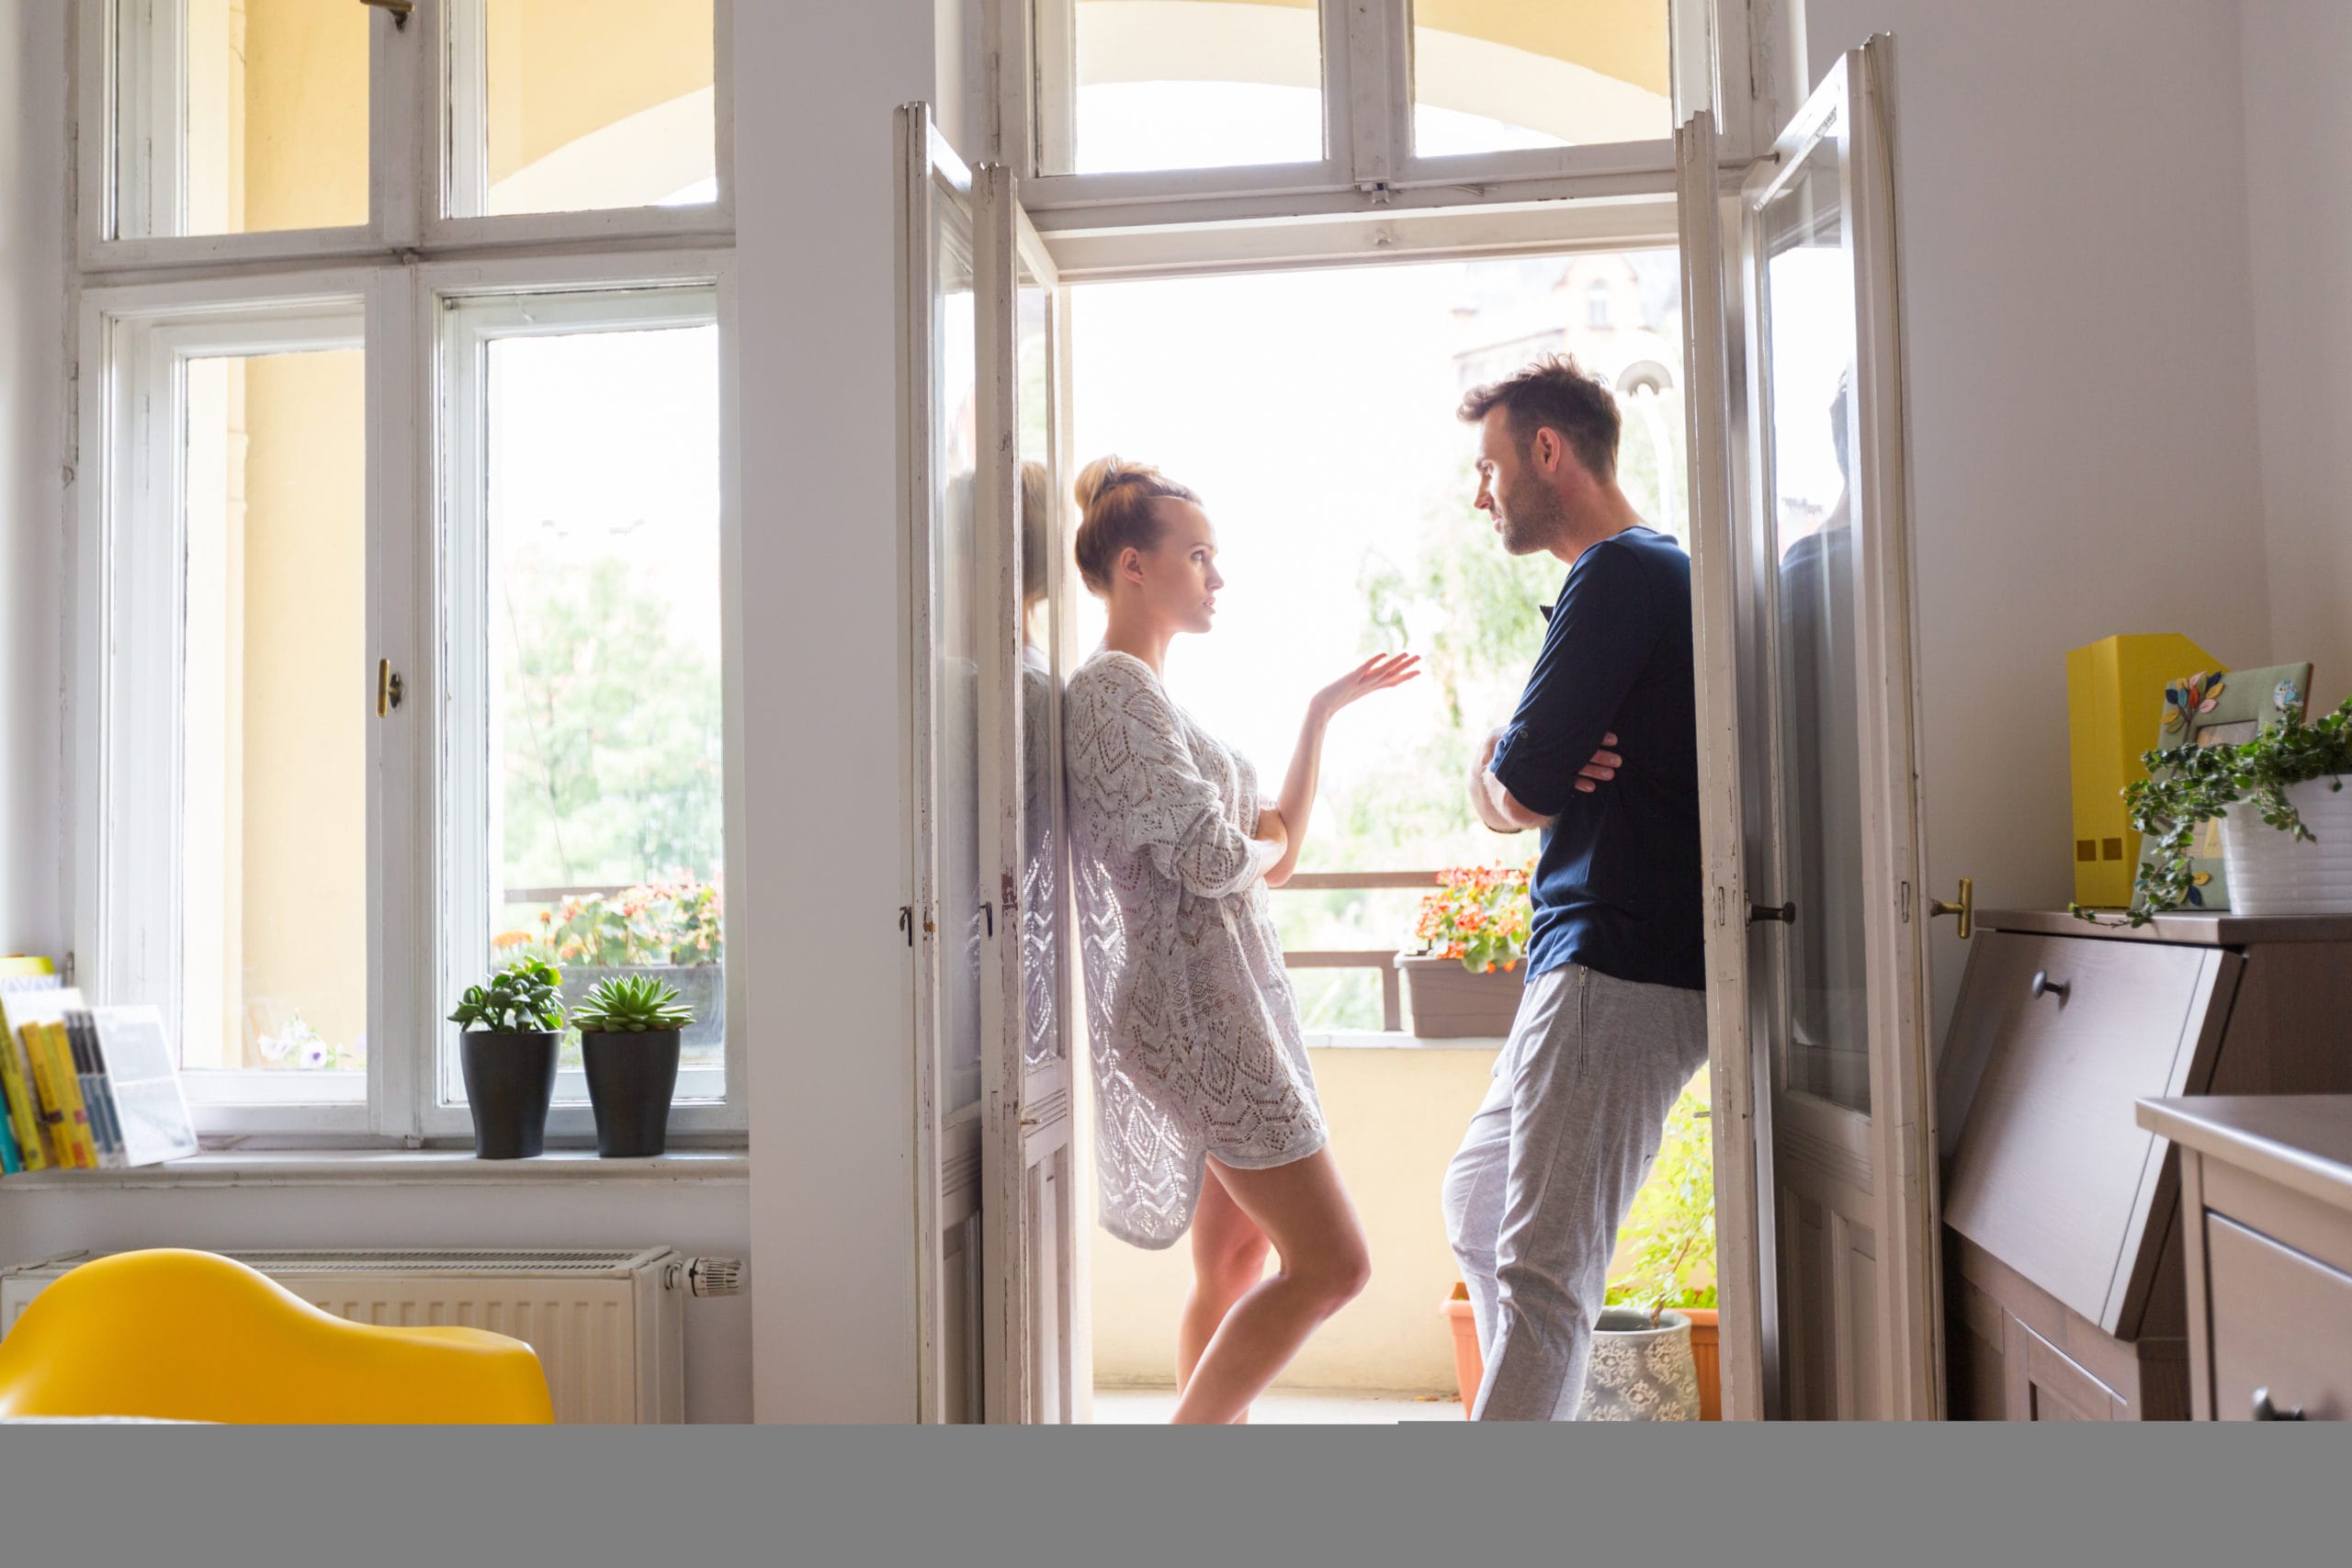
83, 1087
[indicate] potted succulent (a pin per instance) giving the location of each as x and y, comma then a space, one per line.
1468, 978
508, 1055
2286, 820
1655, 1352
629, 1028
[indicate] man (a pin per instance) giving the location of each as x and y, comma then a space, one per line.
1613, 1021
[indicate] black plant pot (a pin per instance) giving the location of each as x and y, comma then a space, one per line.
510, 1077
630, 1080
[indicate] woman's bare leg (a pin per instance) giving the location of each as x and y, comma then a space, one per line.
1229, 1257
1303, 1209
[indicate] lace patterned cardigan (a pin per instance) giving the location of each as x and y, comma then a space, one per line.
1192, 1024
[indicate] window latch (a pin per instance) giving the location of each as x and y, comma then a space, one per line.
387, 688
399, 8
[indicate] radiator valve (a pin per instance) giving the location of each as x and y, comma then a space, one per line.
708, 1275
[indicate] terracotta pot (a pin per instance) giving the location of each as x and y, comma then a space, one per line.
1706, 1349
1470, 1369
1445, 1001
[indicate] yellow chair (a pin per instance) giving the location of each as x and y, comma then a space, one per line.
193, 1336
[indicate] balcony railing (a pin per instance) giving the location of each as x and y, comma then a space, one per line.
1380, 960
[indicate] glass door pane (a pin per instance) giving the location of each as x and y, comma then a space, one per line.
1807, 296
1126, 86
1490, 75
573, 105
1041, 771
236, 116
965, 898
274, 783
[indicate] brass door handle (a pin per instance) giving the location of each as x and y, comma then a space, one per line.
1965, 908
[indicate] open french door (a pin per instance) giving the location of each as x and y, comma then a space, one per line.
1824, 1106
1001, 1325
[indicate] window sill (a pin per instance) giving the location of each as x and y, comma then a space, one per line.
398, 1167
1395, 1040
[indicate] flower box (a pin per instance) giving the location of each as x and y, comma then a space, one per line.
1445, 1001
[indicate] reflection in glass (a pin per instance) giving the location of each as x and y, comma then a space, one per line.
1179, 83
607, 839
573, 106
274, 783
1809, 354
1041, 801
954, 717
1489, 77
256, 121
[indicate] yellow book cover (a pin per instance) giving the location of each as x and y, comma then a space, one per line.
69, 1103
18, 971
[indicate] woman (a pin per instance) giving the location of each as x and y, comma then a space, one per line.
1205, 1107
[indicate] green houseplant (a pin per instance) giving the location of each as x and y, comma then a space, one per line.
507, 1054
1468, 976
629, 1028
2274, 780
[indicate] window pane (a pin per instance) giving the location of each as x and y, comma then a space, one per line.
242, 116
1489, 75
570, 105
955, 583
605, 807
1135, 84
274, 787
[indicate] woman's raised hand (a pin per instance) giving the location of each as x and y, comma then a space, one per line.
1374, 674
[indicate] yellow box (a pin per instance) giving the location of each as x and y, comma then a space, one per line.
2115, 702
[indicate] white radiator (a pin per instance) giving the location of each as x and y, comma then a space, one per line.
609, 1327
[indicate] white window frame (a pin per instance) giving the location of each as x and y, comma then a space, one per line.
412, 181
466, 306
250, 292
1370, 163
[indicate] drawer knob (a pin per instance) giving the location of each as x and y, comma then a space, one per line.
2043, 985
2265, 1411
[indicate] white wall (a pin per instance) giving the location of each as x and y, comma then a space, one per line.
707, 1218
32, 247
2079, 329
2298, 57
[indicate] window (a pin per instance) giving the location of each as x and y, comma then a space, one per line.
1324, 108
402, 623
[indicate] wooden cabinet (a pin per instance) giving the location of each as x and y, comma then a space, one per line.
2065, 1256
2267, 1201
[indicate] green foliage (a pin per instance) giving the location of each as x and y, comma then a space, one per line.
521, 998
611, 731
1478, 915
631, 1004
2189, 786
1672, 1224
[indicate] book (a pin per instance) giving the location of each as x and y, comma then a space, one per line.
139, 1084
39, 1020
81, 1038
18, 1085
11, 1161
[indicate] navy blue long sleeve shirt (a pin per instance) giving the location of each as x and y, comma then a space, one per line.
1618, 887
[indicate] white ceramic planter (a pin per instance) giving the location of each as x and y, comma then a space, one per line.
2273, 873
1640, 1373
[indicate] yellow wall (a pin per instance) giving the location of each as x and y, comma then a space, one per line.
560, 69
305, 105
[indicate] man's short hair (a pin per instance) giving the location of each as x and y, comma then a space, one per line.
1556, 393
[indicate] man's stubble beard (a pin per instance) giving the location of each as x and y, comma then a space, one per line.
1533, 518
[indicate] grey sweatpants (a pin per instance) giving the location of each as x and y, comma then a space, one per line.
1551, 1163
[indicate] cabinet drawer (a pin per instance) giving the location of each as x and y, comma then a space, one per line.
2053, 1175
2281, 1321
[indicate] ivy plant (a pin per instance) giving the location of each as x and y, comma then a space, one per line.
523, 997
2188, 786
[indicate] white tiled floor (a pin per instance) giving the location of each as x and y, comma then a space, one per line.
1284, 1407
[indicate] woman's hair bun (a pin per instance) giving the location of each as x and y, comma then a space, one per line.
1115, 501
1097, 477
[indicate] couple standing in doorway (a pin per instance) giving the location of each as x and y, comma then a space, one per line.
1207, 1116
